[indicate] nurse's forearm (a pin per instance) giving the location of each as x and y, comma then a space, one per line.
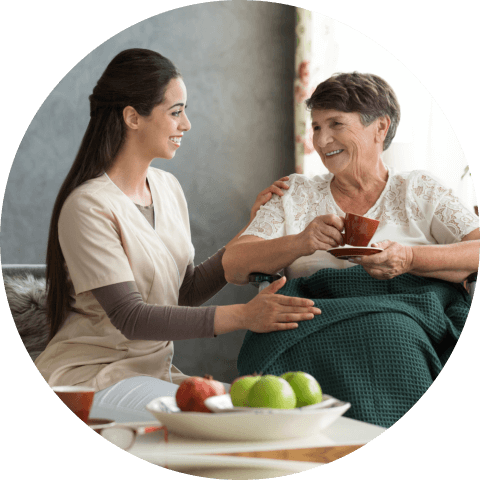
138, 320
203, 281
264, 256
453, 263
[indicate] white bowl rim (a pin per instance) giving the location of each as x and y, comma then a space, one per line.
152, 407
72, 389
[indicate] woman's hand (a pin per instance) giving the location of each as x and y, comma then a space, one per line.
262, 198
395, 260
322, 233
265, 195
269, 312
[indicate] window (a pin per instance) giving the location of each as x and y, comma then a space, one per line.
424, 139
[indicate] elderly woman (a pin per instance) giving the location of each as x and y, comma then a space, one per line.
429, 241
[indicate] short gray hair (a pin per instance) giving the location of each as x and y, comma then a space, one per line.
364, 93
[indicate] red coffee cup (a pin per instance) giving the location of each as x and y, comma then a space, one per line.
359, 230
78, 399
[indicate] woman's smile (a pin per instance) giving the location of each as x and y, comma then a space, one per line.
176, 140
335, 152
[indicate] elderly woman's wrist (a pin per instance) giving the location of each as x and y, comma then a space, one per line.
301, 244
410, 259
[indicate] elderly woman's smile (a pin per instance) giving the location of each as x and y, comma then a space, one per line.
335, 152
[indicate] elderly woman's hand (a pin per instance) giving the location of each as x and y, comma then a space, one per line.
265, 195
322, 233
395, 260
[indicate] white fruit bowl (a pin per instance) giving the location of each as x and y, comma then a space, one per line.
246, 424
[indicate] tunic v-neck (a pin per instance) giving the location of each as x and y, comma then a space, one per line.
148, 212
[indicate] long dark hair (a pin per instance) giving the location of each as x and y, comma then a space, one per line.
137, 78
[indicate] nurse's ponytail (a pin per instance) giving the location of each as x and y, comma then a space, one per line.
136, 78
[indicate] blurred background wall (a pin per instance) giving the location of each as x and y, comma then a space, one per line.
237, 60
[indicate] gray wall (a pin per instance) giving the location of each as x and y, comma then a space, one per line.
237, 60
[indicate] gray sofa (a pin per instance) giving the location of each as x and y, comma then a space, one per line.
25, 288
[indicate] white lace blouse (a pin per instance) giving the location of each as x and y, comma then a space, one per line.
413, 209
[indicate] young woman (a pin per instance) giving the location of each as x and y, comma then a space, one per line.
120, 275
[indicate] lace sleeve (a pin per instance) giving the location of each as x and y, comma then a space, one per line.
270, 220
451, 220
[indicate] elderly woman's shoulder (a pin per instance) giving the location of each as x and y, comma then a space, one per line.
418, 177
314, 181
420, 184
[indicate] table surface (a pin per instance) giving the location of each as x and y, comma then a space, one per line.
344, 436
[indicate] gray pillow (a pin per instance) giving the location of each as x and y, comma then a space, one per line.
27, 299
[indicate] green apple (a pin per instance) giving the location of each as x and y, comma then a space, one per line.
240, 388
271, 392
305, 386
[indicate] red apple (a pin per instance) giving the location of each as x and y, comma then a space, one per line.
193, 391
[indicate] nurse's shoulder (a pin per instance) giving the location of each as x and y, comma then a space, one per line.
95, 195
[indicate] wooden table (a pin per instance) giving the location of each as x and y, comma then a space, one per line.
315, 454
183, 454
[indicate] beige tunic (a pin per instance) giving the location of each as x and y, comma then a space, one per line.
106, 240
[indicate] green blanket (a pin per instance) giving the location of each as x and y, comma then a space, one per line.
378, 344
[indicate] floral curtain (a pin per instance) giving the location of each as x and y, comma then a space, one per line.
302, 90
